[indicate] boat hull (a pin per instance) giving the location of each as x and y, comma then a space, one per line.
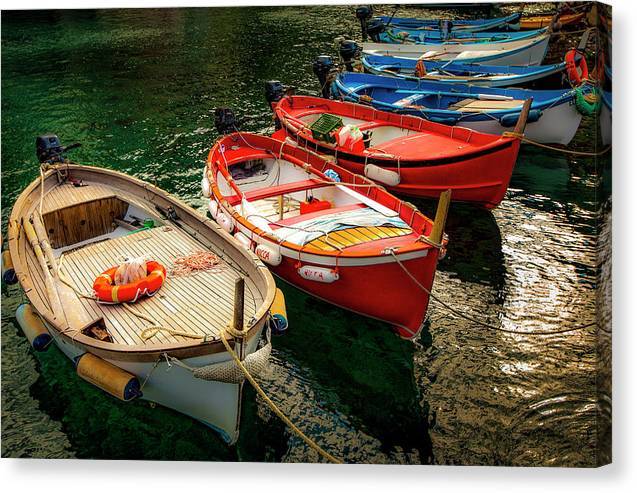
510, 22
363, 289
215, 404
528, 53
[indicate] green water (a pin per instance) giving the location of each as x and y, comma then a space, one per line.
138, 88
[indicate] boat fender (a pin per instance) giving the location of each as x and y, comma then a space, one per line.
33, 327
382, 175
268, 254
213, 208
108, 377
278, 313
318, 274
8, 272
205, 187
243, 240
225, 221
445, 120
510, 120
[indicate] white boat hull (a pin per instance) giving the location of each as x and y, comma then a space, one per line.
557, 125
215, 404
524, 52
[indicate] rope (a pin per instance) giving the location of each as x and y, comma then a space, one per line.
311, 443
553, 148
475, 320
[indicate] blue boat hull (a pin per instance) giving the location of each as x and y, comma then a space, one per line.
553, 117
399, 35
510, 22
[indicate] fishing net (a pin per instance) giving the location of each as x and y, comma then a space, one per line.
194, 262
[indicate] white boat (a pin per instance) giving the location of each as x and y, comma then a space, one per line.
64, 233
525, 52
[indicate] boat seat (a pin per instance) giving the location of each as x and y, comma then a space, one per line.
471, 104
264, 193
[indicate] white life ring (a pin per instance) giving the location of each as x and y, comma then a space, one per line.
318, 274
268, 254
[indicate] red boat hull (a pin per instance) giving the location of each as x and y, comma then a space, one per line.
476, 167
365, 290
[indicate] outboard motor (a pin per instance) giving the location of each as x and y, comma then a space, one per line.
364, 14
349, 50
225, 121
375, 28
323, 66
274, 91
49, 149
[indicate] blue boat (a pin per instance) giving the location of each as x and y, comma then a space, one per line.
510, 22
458, 72
405, 35
553, 118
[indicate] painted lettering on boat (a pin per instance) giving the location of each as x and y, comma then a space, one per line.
318, 274
268, 254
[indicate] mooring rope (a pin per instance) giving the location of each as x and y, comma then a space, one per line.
475, 320
311, 443
554, 148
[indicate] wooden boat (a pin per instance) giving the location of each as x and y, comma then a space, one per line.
74, 223
463, 73
509, 22
325, 230
407, 154
540, 21
419, 36
522, 52
554, 117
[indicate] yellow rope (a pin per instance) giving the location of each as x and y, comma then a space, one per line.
553, 148
311, 443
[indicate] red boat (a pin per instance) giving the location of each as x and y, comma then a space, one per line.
325, 230
406, 154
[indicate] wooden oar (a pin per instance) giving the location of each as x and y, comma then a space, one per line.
43, 240
51, 290
524, 114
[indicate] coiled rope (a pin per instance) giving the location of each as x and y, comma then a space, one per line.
475, 320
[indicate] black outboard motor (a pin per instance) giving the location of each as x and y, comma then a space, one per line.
322, 68
225, 121
375, 28
364, 14
49, 149
349, 50
274, 91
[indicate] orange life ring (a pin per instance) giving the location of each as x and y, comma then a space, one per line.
421, 70
576, 68
107, 292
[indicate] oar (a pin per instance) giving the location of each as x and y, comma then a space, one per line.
524, 114
51, 290
43, 239
484, 97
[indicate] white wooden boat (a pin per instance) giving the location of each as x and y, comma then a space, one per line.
519, 52
76, 222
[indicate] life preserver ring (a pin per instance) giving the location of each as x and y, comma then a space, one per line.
107, 292
576, 67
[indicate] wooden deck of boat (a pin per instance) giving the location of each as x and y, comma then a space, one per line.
66, 194
201, 303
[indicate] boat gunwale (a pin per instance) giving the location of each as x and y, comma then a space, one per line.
207, 228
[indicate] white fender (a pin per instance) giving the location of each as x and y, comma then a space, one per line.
318, 274
382, 175
225, 221
268, 254
213, 207
205, 187
243, 240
